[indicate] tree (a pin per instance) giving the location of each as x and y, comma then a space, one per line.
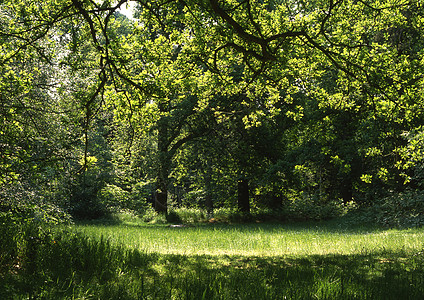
356, 62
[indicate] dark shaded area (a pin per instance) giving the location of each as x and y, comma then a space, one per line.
243, 195
161, 200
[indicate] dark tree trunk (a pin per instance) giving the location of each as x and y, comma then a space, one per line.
208, 190
347, 190
161, 196
277, 201
209, 203
161, 202
243, 195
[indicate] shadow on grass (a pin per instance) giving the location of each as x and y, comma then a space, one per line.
69, 265
377, 276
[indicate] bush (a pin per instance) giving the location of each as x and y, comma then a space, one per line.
159, 219
10, 229
21, 227
306, 207
228, 215
55, 265
400, 210
173, 217
191, 215
114, 197
223, 214
85, 205
149, 215
298, 209
21, 237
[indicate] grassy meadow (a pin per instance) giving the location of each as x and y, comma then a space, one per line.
266, 239
135, 260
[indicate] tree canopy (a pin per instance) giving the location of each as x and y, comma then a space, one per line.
188, 102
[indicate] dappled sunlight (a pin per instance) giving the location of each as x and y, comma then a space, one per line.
217, 262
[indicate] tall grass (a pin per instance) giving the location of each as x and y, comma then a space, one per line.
257, 239
256, 261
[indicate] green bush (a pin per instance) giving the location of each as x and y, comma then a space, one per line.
22, 227
10, 229
224, 214
400, 210
58, 264
85, 205
228, 215
149, 215
298, 209
158, 219
140, 194
191, 215
173, 217
114, 197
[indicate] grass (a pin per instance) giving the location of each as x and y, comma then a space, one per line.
257, 239
133, 260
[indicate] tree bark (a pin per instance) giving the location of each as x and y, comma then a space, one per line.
161, 202
243, 195
208, 189
277, 201
347, 189
161, 197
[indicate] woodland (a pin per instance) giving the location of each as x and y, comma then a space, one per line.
303, 108
295, 120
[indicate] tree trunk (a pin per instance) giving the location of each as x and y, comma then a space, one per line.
208, 190
347, 189
161, 197
161, 202
277, 201
209, 204
243, 195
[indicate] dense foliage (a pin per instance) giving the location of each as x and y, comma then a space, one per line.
306, 107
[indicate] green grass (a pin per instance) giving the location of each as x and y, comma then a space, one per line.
133, 260
257, 239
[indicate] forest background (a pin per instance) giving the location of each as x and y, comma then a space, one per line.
294, 109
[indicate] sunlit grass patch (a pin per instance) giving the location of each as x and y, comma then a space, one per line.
257, 239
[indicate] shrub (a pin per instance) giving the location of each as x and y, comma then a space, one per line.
57, 264
173, 217
149, 215
114, 197
159, 219
10, 229
400, 210
228, 215
85, 205
223, 214
308, 207
22, 227
191, 215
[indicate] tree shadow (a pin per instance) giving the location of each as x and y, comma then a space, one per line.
373, 276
